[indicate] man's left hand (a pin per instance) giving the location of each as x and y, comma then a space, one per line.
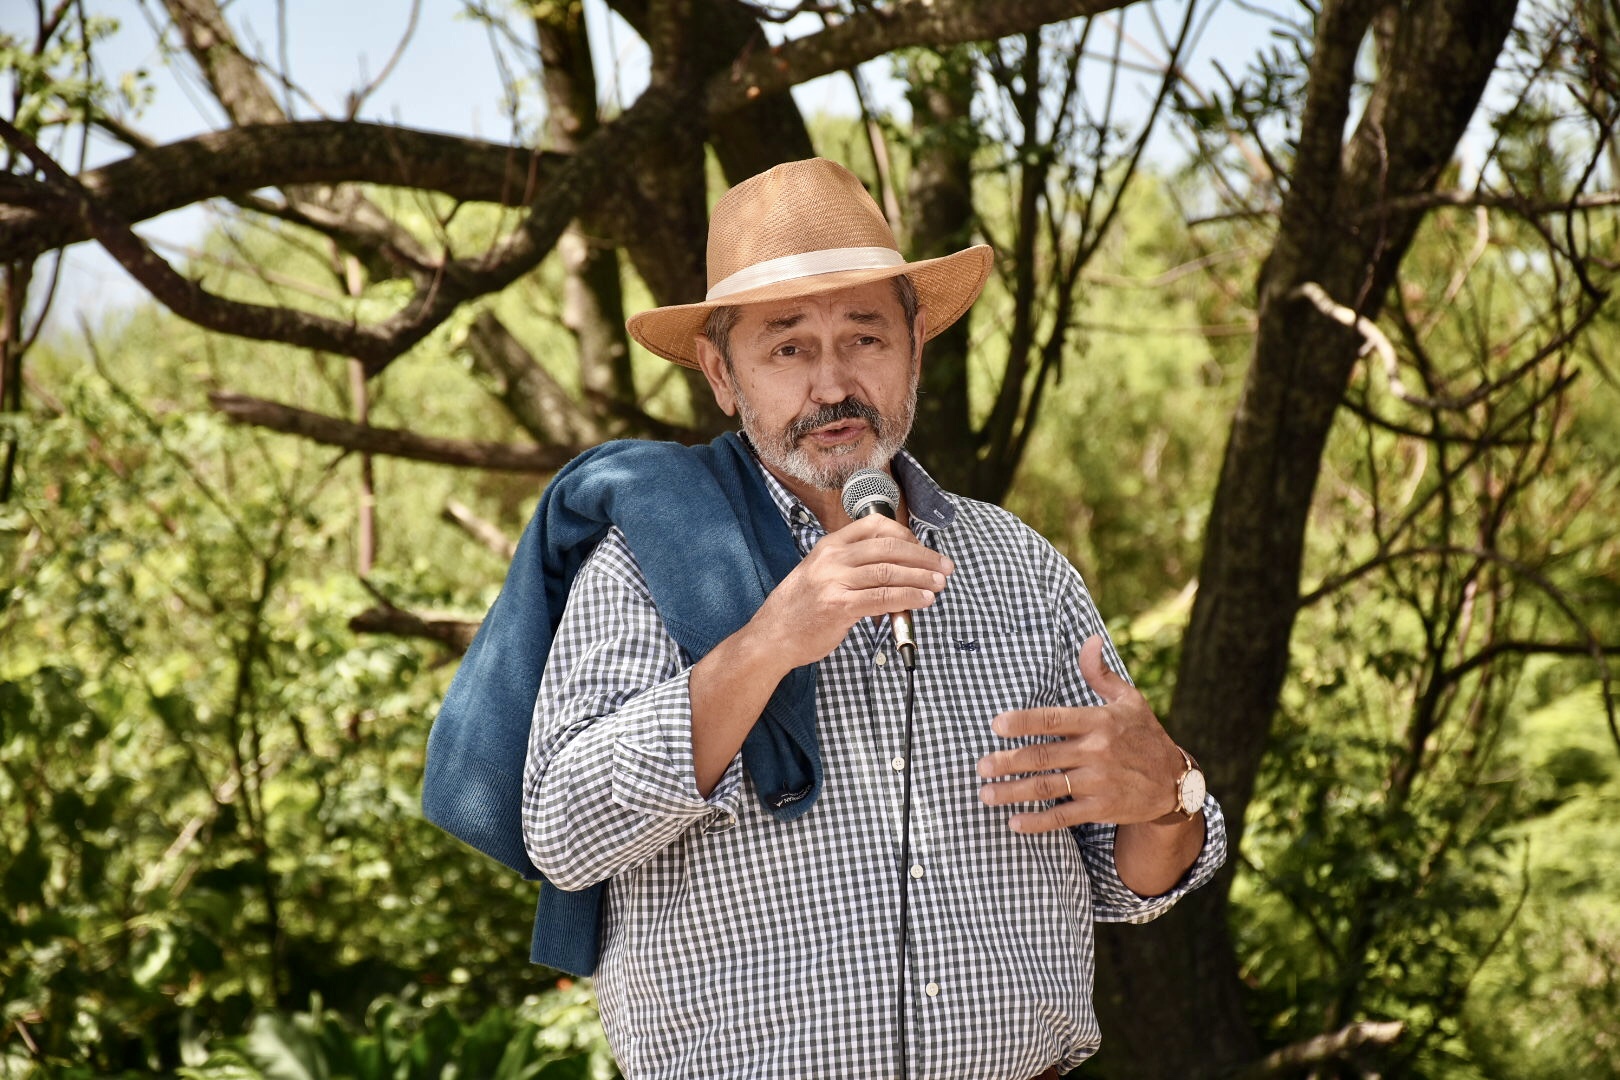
1110, 763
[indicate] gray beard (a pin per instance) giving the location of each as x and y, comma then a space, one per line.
830, 469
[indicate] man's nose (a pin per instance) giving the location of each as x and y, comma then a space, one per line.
832, 379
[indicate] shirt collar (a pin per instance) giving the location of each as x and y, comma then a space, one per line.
928, 503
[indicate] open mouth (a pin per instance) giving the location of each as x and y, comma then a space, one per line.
842, 431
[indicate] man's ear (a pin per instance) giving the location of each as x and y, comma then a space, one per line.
714, 369
919, 331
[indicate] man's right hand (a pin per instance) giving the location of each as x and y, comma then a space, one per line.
873, 566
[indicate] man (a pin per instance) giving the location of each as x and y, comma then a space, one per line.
745, 932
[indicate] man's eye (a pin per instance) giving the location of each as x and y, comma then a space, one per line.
787, 350
866, 339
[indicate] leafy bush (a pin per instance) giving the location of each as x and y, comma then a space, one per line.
208, 783
555, 1036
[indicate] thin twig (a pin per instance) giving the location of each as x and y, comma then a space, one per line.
484, 532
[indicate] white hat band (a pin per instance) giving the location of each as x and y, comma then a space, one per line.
806, 264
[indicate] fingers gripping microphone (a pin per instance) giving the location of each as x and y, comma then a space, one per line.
873, 491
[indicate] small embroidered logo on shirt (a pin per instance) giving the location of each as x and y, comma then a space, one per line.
965, 644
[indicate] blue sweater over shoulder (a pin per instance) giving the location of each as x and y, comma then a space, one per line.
712, 546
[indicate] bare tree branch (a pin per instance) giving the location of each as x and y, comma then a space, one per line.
592, 300
1324, 1048
379, 343
36, 217
1515, 204
528, 391
331, 431
1490, 652
239, 84
1379, 342
875, 31
456, 633
232, 75
484, 532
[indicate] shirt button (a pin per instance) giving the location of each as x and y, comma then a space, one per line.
917, 870
897, 763
932, 989
881, 659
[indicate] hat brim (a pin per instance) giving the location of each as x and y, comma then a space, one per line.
946, 288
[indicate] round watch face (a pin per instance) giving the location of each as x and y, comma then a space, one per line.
1192, 792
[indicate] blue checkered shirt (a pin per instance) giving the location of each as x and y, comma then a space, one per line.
736, 945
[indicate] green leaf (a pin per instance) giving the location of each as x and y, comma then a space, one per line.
430, 1051
153, 954
489, 1043
573, 1067
285, 1050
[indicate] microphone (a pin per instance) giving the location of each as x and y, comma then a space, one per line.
873, 491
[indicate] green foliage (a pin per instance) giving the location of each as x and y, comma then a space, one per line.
1414, 851
1117, 474
54, 83
1359, 901
1481, 911
208, 801
208, 783
555, 1036
1555, 972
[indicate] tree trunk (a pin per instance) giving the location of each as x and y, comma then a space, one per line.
593, 302
940, 220
1180, 974
661, 215
14, 281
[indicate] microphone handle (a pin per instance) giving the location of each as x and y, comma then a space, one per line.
905, 634
905, 637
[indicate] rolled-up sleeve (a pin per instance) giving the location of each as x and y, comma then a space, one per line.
1114, 901
609, 781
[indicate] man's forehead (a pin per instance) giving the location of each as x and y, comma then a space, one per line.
858, 303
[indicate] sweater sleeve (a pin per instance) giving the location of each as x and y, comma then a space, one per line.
609, 780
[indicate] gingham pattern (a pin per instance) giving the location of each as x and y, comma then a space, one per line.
739, 946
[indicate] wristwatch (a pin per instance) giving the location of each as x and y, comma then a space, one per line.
1190, 787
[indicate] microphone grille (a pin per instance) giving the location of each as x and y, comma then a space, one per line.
868, 486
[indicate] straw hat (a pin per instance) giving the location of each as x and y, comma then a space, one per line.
799, 229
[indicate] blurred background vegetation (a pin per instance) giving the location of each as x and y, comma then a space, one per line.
212, 861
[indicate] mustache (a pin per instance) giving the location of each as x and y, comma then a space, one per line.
851, 408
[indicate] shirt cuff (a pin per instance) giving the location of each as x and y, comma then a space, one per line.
652, 758
1114, 901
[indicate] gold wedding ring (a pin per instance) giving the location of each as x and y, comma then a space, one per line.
1068, 786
